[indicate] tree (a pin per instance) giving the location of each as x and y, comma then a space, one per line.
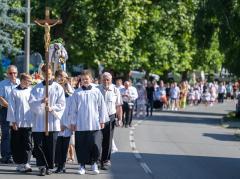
10, 27
98, 31
10, 23
165, 43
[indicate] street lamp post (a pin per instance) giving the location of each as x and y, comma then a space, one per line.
27, 37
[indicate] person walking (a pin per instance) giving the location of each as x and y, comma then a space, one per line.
65, 134
129, 95
6, 87
44, 145
113, 100
19, 116
88, 116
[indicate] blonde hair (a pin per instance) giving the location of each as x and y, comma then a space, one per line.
25, 76
86, 73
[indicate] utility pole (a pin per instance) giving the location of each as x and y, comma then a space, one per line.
27, 37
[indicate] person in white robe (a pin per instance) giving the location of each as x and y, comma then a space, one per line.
19, 116
88, 115
65, 133
44, 145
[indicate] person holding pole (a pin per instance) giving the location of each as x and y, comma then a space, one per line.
54, 105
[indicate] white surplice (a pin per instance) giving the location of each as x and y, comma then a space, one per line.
88, 109
56, 98
18, 107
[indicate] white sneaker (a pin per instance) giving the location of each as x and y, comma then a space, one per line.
27, 168
81, 170
19, 167
95, 169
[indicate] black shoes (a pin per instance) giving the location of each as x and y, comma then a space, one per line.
7, 161
60, 170
48, 171
106, 165
42, 172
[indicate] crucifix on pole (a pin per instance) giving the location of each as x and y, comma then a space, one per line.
47, 23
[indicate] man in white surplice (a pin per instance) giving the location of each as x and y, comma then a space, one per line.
44, 146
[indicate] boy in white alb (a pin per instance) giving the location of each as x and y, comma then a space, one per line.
19, 117
88, 115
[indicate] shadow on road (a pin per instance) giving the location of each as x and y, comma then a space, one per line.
222, 137
164, 166
194, 113
184, 119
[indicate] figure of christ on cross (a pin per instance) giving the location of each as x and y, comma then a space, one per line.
47, 37
47, 23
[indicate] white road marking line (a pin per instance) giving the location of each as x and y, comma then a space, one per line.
146, 168
136, 152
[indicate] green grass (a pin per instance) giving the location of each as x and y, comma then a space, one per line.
231, 116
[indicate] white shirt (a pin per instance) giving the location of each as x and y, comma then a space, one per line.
131, 92
112, 98
18, 107
175, 92
56, 98
88, 109
6, 86
221, 89
65, 121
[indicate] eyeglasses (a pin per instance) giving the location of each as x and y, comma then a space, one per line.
12, 73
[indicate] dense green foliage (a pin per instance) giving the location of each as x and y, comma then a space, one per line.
11, 28
157, 36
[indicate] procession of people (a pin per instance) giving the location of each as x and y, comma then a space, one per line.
81, 110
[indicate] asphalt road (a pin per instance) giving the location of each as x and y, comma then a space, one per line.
188, 144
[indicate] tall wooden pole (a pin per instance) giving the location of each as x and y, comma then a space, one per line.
47, 23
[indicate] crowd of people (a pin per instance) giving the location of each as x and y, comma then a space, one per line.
76, 108
82, 115
175, 96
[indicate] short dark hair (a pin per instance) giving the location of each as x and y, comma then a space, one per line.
58, 73
46, 67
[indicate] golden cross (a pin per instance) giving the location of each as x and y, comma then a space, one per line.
47, 23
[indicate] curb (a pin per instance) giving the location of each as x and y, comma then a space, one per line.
231, 125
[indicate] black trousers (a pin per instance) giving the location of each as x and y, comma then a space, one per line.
44, 148
61, 150
107, 133
149, 105
21, 145
220, 97
88, 146
127, 113
5, 138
